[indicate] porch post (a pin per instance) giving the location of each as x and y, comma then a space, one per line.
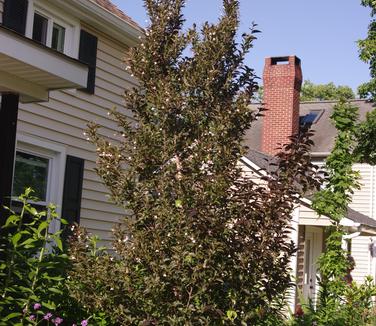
8, 128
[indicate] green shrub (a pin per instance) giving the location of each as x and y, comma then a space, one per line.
355, 307
33, 269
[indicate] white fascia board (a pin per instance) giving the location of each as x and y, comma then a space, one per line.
103, 20
252, 165
29, 52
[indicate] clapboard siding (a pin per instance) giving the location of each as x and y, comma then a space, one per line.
59, 120
362, 198
308, 216
87, 104
251, 173
364, 202
64, 118
360, 252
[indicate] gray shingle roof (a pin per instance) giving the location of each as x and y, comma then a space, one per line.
360, 218
109, 6
262, 160
324, 130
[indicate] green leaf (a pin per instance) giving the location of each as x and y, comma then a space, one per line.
28, 242
32, 210
53, 278
49, 305
12, 220
59, 243
231, 314
11, 316
15, 238
42, 226
54, 290
178, 203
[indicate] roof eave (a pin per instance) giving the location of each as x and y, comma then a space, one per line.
346, 221
104, 20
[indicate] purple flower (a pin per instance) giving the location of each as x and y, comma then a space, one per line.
24, 310
47, 316
37, 306
84, 322
57, 321
32, 317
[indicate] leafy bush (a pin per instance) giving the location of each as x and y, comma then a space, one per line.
354, 308
33, 269
341, 302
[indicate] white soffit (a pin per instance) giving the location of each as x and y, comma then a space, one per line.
32, 70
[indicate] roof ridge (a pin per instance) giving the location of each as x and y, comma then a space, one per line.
332, 101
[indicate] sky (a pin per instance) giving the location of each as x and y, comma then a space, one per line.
322, 33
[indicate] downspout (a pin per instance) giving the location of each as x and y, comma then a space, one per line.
347, 237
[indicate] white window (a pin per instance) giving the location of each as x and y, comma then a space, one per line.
32, 170
52, 27
39, 165
58, 37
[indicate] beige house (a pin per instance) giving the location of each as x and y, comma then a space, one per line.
61, 66
284, 116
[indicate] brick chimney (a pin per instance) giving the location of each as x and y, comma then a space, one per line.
282, 82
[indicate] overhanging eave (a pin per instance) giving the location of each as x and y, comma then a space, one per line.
32, 70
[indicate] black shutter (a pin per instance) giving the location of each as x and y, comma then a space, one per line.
88, 55
8, 127
74, 170
14, 15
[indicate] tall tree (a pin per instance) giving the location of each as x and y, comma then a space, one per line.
333, 202
205, 244
367, 53
354, 143
366, 131
321, 92
337, 292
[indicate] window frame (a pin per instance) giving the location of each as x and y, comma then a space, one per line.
22, 148
55, 15
57, 157
46, 18
59, 28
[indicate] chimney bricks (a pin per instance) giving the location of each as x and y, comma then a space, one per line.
282, 82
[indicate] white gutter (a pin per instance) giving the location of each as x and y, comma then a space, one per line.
253, 165
351, 236
102, 19
345, 238
320, 154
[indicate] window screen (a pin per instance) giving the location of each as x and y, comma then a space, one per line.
31, 171
58, 37
40, 28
